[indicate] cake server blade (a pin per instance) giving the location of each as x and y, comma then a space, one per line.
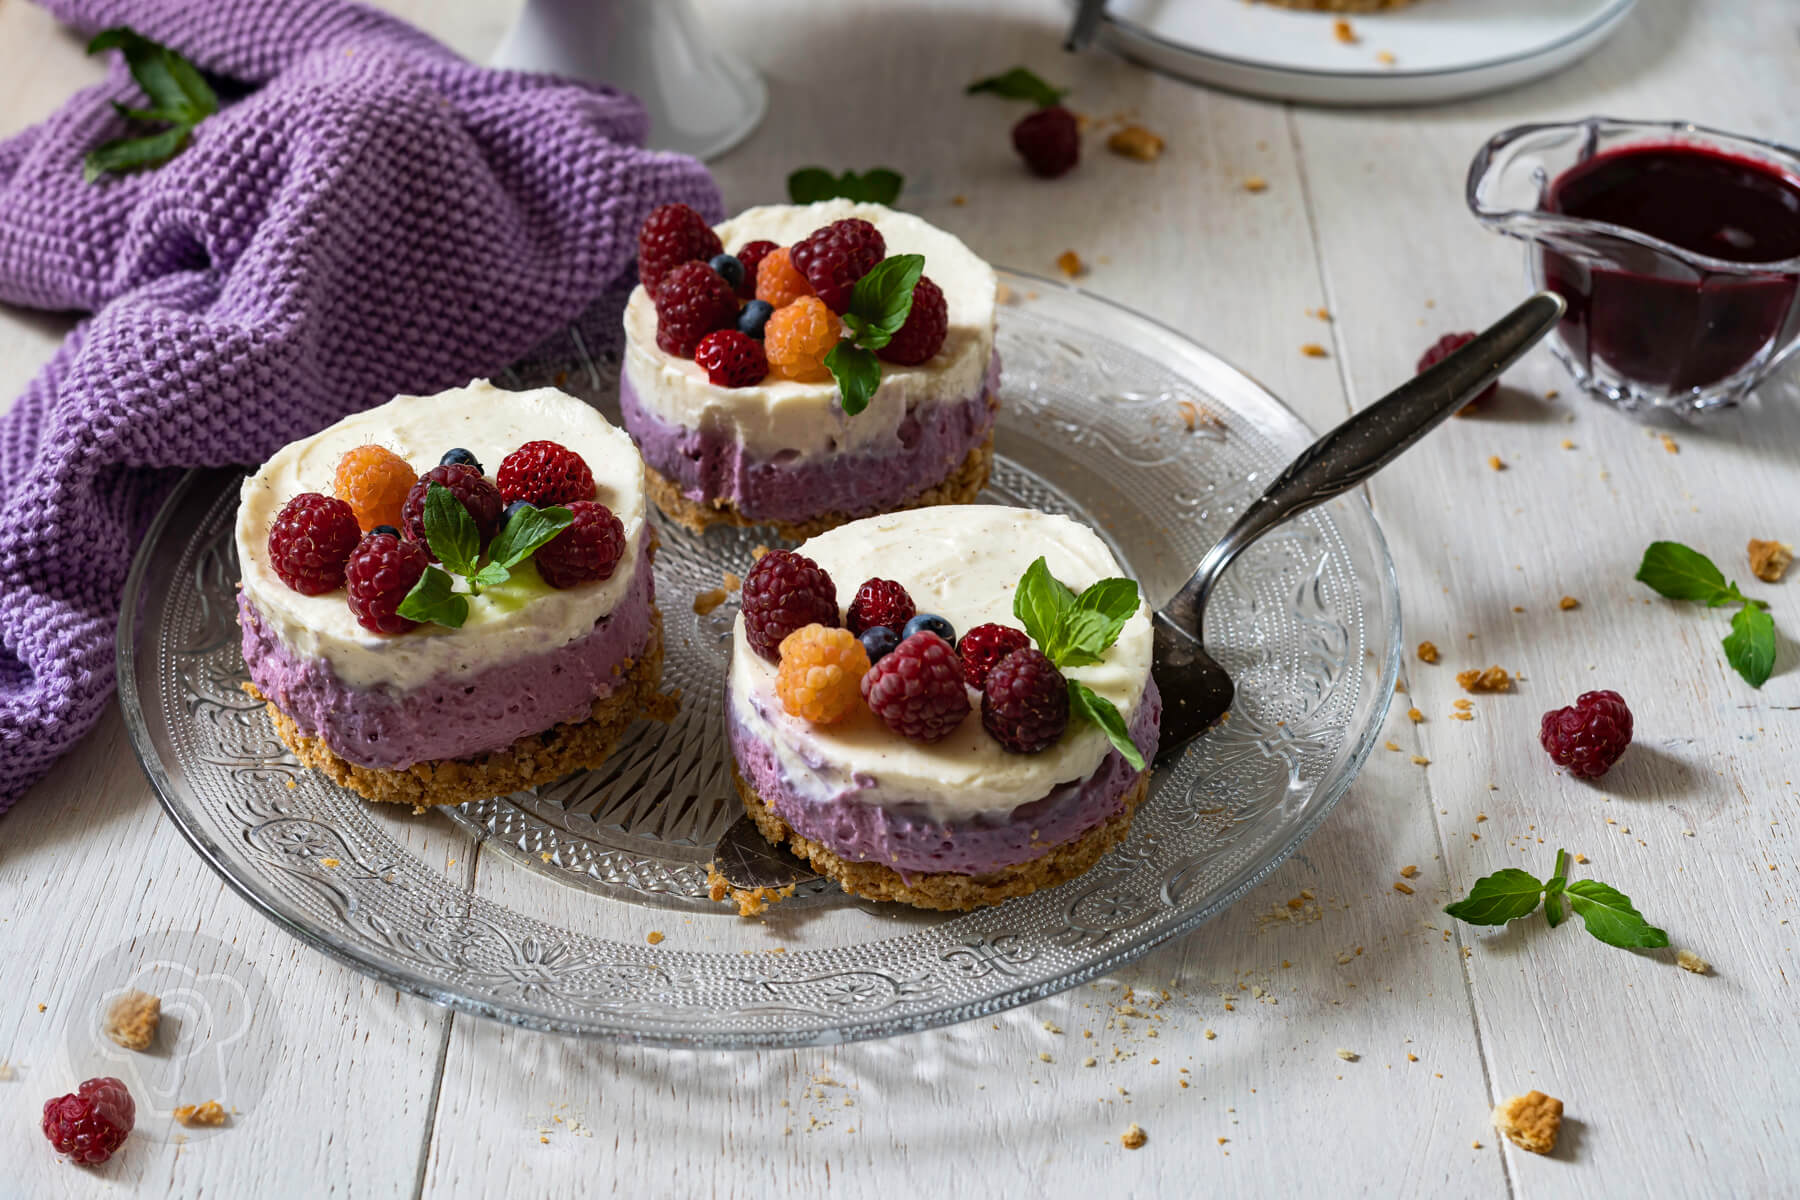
747, 860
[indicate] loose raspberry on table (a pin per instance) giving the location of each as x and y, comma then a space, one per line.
732, 359
777, 282
879, 602
373, 481
917, 690
671, 235
1025, 702
691, 301
820, 679
92, 1122
309, 541
382, 570
797, 339
1443, 348
1049, 140
751, 255
783, 592
835, 257
1588, 736
481, 498
926, 327
985, 645
589, 549
544, 474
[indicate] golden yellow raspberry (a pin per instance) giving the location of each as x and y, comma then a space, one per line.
821, 674
798, 337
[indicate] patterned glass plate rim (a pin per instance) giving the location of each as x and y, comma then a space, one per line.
1106, 414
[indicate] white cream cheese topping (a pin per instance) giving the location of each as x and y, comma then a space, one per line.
962, 562
803, 419
522, 617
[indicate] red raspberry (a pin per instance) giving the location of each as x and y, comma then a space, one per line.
671, 235
751, 255
926, 325
1049, 141
1025, 702
917, 689
544, 474
835, 257
879, 602
1589, 735
92, 1122
309, 541
691, 301
382, 570
1443, 348
783, 592
480, 497
732, 359
985, 645
590, 549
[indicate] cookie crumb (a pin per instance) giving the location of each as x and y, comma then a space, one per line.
1568, 444
1256, 183
1409, 871
1581, 858
1402, 888
1492, 679
1670, 444
1089, 1061
1133, 1138
757, 551
654, 937
7, 1073
1070, 264
1347, 1055
1769, 561
1391, 745
1134, 141
1344, 32
1210, 1035
1428, 652
1411, 1057
208, 1113
1415, 716
959, 199
1420, 760
1495, 463
131, 1019
1314, 350
1530, 1122
1385, 58
705, 602
1568, 602
1687, 960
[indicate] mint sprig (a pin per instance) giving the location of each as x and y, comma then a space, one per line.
877, 185
1073, 631
879, 306
1020, 83
1511, 893
1683, 573
435, 599
456, 540
179, 96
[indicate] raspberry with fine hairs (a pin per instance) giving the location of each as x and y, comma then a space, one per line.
480, 497
543, 474
589, 549
1588, 736
783, 592
917, 689
751, 255
879, 602
309, 541
926, 327
691, 301
671, 235
732, 359
1025, 702
382, 570
985, 645
92, 1122
835, 257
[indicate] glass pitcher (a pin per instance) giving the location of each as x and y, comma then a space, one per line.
1649, 323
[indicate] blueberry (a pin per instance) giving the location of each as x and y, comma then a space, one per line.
459, 455
512, 510
755, 315
934, 623
384, 529
729, 269
878, 640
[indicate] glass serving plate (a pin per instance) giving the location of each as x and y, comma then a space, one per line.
547, 920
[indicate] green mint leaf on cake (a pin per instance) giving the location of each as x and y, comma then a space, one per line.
180, 97
879, 306
1113, 601
858, 374
1020, 83
1609, 916
435, 599
1041, 603
1750, 646
528, 530
878, 185
450, 531
1504, 896
1091, 706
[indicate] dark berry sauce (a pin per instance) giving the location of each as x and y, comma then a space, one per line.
1655, 318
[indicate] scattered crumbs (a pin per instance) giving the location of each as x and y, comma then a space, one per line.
654, 937
1687, 960
544, 856
1210, 1035
1428, 652
1475, 1145
1385, 58
1402, 888
1462, 715
1052, 1027
131, 1019
757, 552
208, 1113
7, 1072
1414, 715
1769, 561
1480, 817
730, 581
1044, 1056
1070, 264
1411, 1057
1344, 32
1495, 463
1003, 294
705, 602
1390, 745
1490, 679
1530, 1122
1089, 1061
1256, 183
1133, 1138
1314, 350
1568, 602
1320, 313
959, 199
41, 1008
1347, 1055
1419, 760
1134, 141
330, 862
1670, 444
1551, 394
1462, 704
1567, 444
1409, 871
1581, 858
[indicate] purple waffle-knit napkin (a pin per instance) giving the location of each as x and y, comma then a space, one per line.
375, 216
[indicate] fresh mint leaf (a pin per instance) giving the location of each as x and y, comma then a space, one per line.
1609, 916
435, 599
132, 154
858, 374
1116, 600
1090, 705
878, 185
450, 531
1506, 895
526, 533
179, 95
1680, 573
1750, 646
1084, 634
1040, 604
491, 575
1020, 83
882, 300
1554, 912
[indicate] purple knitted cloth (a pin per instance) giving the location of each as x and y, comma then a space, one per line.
375, 216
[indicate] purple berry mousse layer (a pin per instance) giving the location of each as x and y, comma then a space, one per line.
453, 716
708, 464
913, 844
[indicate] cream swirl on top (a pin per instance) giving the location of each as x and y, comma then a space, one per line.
962, 562
521, 618
782, 416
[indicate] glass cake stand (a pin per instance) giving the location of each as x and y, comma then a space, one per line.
547, 920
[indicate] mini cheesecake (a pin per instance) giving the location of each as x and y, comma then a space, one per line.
962, 821
538, 681
783, 452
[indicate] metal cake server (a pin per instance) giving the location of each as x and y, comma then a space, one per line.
1085, 24
1196, 690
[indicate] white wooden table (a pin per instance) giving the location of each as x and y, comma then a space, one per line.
1676, 1084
